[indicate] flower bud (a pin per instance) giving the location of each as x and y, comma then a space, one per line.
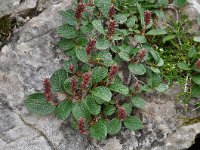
111, 27
47, 89
121, 113
136, 87
85, 80
147, 17
111, 11
81, 126
113, 70
90, 46
73, 85
79, 10
142, 54
71, 68
198, 64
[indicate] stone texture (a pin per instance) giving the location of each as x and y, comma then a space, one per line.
30, 56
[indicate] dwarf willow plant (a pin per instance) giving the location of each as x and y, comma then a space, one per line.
96, 39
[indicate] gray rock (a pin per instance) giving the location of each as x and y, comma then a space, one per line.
30, 56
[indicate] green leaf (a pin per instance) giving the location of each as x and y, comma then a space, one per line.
69, 17
184, 66
102, 44
180, 2
197, 38
133, 123
156, 32
155, 55
168, 38
80, 111
98, 26
57, 80
102, 92
137, 69
192, 52
99, 73
114, 126
119, 87
154, 80
120, 18
131, 21
124, 55
66, 44
64, 109
163, 2
138, 102
92, 106
37, 103
70, 62
81, 54
196, 91
140, 38
86, 29
162, 88
109, 110
98, 130
198, 20
103, 5
196, 79
141, 12
156, 70
67, 31
128, 108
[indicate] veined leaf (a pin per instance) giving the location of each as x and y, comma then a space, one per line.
67, 31
133, 123
64, 109
119, 87
138, 102
98, 130
92, 106
102, 92
99, 73
80, 111
156, 32
113, 126
137, 69
98, 26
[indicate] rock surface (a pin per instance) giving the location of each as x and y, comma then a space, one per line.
30, 56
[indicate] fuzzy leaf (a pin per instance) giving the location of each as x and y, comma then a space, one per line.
196, 79
124, 55
66, 44
168, 38
98, 26
102, 92
92, 106
114, 126
192, 52
133, 123
98, 131
197, 38
154, 80
109, 110
120, 18
67, 31
131, 21
119, 87
102, 44
156, 70
162, 88
104, 57
180, 2
80, 111
140, 38
138, 102
86, 29
198, 20
184, 66
137, 69
128, 108
37, 103
64, 109
69, 17
99, 73
103, 5
156, 32
57, 80
196, 91
81, 54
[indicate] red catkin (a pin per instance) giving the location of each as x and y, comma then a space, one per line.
111, 11
147, 17
71, 68
81, 126
121, 113
79, 10
47, 89
142, 54
85, 80
90, 46
111, 28
113, 70
198, 64
73, 85
136, 87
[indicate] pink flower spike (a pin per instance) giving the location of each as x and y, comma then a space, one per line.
147, 17
198, 64
47, 89
136, 87
121, 113
79, 10
142, 54
111, 11
111, 27
71, 68
81, 126
113, 70
73, 85
90, 46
